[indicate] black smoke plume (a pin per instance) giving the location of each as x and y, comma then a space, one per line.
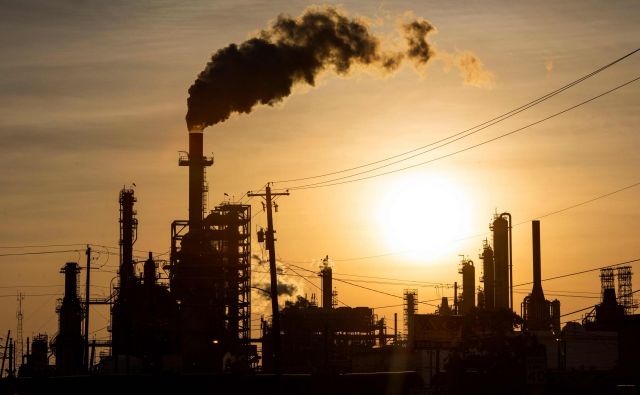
263, 70
416, 33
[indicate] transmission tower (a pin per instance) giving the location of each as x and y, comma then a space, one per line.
19, 316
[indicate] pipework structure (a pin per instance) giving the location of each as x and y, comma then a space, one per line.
144, 315
209, 274
410, 301
230, 225
68, 344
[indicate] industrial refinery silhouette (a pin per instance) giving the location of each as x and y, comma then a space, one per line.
186, 322
195, 326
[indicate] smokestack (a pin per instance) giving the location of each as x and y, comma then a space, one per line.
535, 308
537, 270
128, 226
196, 179
70, 271
327, 284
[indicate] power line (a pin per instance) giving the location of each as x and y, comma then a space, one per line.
356, 285
587, 308
402, 284
580, 272
404, 281
30, 295
523, 292
310, 282
635, 184
480, 126
31, 286
39, 252
336, 181
42, 246
582, 203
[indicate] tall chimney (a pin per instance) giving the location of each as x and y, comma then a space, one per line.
128, 227
327, 284
537, 276
196, 179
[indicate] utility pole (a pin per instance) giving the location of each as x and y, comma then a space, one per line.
19, 316
86, 308
270, 240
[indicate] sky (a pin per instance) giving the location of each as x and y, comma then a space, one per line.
93, 98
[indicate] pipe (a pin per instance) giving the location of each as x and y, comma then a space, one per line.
86, 308
510, 261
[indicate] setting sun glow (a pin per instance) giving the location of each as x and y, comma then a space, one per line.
423, 216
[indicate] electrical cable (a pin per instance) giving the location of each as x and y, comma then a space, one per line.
43, 245
359, 286
581, 272
38, 253
590, 307
31, 295
591, 200
310, 282
490, 122
337, 181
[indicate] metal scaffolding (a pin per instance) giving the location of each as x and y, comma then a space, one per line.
410, 307
606, 280
625, 289
233, 239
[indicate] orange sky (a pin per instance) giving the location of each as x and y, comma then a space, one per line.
93, 97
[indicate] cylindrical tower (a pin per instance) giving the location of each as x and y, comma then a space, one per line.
150, 271
468, 272
488, 275
500, 229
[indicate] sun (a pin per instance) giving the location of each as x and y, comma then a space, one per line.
424, 216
